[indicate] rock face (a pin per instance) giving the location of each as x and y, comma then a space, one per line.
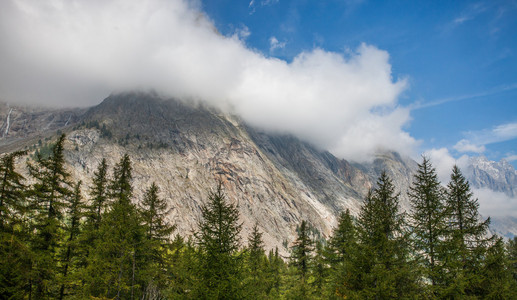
276, 180
498, 176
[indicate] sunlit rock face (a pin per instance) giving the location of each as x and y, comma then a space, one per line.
276, 180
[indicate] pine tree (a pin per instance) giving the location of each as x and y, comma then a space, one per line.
75, 214
47, 199
99, 194
497, 281
382, 264
154, 211
218, 241
320, 270
466, 238
116, 265
14, 254
274, 273
301, 258
512, 257
256, 266
340, 253
12, 194
428, 222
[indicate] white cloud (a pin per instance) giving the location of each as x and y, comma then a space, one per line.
275, 44
443, 161
497, 204
475, 141
467, 146
77, 52
511, 157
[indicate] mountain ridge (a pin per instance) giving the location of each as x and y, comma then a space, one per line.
277, 180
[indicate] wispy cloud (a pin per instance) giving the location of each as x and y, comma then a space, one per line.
475, 141
275, 44
253, 5
493, 91
511, 157
471, 12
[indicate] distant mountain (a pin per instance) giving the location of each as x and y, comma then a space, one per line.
276, 180
498, 176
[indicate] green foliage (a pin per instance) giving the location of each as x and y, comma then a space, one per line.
55, 245
12, 196
218, 241
340, 254
466, 240
301, 259
382, 264
47, 200
14, 253
428, 223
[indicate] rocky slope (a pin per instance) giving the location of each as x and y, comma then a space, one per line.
276, 180
497, 176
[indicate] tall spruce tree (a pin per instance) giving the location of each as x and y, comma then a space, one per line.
115, 267
340, 253
14, 253
428, 222
72, 229
218, 241
99, 194
154, 211
256, 281
301, 259
383, 262
12, 196
47, 199
466, 239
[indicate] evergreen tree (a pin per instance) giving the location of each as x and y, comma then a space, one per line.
154, 211
301, 259
497, 281
428, 222
274, 273
14, 253
99, 194
75, 214
382, 264
47, 199
256, 266
320, 270
466, 238
12, 195
340, 253
218, 241
116, 267
512, 257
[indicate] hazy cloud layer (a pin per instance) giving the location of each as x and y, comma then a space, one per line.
77, 52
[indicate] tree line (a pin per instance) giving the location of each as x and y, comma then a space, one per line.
56, 245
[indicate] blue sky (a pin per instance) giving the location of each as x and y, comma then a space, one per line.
459, 57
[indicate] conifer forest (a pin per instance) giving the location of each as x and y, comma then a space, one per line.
57, 244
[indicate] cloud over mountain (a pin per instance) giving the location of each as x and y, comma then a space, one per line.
77, 52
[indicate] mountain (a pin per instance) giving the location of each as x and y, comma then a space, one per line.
497, 176
277, 180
